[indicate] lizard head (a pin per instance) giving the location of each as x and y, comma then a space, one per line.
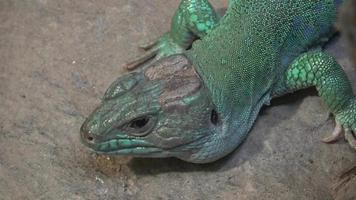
163, 110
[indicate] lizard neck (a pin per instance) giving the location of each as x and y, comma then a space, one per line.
233, 131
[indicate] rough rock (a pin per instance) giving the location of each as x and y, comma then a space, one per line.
58, 58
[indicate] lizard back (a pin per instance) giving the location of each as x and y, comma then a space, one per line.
242, 58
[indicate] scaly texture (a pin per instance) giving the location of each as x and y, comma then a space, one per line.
242, 59
199, 105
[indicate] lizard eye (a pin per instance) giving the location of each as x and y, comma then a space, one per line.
140, 126
139, 122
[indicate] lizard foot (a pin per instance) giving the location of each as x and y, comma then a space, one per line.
339, 133
336, 134
155, 50
345, 126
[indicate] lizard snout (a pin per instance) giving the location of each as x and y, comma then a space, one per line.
86, 136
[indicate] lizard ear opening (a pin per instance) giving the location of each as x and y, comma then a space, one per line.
214, 117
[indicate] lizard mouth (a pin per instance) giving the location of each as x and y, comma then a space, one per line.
117, 144
124, 147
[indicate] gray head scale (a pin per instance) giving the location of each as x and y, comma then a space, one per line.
163, 110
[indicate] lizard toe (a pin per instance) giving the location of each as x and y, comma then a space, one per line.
350, 137
163, 47
149, 44
142, 59
336, 134
341, 132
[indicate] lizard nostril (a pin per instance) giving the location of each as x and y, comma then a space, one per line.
87, 137
90, 138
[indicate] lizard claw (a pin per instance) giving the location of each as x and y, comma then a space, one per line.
345, 124
351, 138
142, 59
340, 132
155, 50
148, 45
336, 134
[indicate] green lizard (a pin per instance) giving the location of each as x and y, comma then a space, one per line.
209, 78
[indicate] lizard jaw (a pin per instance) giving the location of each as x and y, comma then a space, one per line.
120, 146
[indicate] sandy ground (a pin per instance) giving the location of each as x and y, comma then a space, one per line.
57, 59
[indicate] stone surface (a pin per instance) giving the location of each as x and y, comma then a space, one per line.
58, 58
347, 24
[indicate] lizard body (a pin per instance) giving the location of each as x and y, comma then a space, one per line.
199, 103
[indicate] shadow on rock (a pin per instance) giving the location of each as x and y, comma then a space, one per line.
152, 166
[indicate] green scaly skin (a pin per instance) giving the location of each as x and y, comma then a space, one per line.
198, 104
193, 19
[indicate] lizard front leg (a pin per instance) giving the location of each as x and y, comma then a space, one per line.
319, 69
193, 19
